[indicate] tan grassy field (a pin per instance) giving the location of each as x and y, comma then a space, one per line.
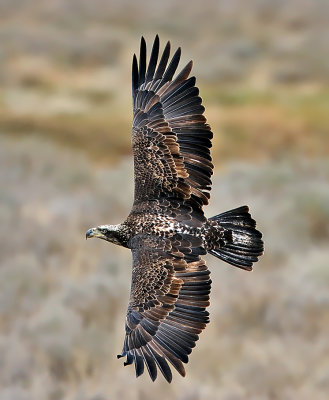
66, 165
63, 299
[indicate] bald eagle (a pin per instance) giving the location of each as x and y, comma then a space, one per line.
166, 230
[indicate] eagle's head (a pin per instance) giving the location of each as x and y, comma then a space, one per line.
110, 233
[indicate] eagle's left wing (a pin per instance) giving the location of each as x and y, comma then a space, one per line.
166, 313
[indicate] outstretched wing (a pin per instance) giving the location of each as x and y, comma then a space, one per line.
166, 313
170, 137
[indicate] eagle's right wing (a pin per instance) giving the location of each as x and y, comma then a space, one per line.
169, 293
170, 137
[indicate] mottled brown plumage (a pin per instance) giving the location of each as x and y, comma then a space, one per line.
166, 229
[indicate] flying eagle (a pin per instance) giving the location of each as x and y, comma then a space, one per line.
166, 230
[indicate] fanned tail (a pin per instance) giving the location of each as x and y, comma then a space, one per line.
239, 242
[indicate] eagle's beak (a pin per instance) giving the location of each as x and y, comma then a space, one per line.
90, 233
95, 232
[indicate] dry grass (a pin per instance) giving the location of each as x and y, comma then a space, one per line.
65, 72
65, 118
286, 124
63, 299
100, 136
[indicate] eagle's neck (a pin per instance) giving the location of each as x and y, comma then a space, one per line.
115, 234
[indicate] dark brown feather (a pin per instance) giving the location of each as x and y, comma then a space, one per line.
166, 229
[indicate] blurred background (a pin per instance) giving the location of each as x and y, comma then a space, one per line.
262, 67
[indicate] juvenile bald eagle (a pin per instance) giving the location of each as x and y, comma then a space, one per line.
166, 229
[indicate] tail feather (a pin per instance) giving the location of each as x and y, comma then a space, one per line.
241, 243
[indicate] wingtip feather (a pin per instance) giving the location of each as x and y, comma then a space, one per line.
142, 62
134, 73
